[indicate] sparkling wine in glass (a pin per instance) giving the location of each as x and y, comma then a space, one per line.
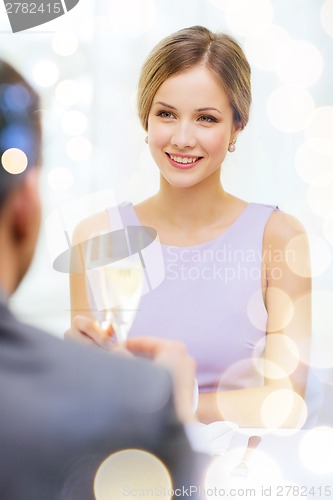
121, 289
115, 280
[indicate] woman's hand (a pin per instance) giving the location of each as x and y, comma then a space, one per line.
87, 330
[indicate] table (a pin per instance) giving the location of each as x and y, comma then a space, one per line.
286, 464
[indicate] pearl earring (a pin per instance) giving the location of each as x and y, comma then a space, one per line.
232, 147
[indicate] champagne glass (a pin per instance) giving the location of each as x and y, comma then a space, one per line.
121, 286
115, 287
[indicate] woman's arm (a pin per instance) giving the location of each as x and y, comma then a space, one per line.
287, 294
83, 324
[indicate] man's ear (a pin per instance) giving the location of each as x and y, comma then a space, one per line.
25, 206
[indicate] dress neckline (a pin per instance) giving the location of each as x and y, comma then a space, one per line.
222, 235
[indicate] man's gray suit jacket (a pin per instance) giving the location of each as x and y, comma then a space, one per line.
64, 408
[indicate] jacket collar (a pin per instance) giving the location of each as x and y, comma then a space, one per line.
3, 297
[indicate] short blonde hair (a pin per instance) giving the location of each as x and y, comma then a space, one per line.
187, 48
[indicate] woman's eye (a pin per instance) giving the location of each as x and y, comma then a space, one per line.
207, 119
165, 114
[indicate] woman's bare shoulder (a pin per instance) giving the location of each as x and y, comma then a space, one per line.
282, 227
145, 211
91, 226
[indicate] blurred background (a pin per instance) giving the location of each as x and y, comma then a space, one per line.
86, 64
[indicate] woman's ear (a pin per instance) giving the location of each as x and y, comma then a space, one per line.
237, 127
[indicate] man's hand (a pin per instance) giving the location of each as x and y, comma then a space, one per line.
170, 354
173, 356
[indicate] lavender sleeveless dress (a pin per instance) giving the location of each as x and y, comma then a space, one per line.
211, 299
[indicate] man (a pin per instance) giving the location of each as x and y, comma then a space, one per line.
65, 408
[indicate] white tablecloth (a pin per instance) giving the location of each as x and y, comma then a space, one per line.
286, 464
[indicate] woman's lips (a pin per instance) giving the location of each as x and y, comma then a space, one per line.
182, 161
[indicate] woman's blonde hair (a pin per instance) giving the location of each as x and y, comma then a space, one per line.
187, 48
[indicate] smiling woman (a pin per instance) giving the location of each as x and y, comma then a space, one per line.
229, 309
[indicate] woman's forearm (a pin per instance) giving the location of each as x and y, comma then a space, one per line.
264, 406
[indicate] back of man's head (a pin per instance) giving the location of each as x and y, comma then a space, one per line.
20, 130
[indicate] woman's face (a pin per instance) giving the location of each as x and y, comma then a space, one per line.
190, 127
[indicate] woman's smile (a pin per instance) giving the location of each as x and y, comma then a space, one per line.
183, 161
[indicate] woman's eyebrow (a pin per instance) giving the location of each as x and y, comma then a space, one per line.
164, 104
200, 110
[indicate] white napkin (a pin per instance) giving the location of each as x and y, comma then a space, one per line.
219, 435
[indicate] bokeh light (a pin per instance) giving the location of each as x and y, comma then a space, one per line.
320, 196
316, 450
320, 255
256, 311
74, 122
16, 97
129, 472
79, 148
60, 179
310, 163
326, 16
283, 407
67, 92
299, 63
269, 369
14, 161
280, 345
242, 373
131, 18
262, 50
64, 43
45, 73
300, 327
222, 472
297, 255
289, 107
319, 130
242, 16
282, 314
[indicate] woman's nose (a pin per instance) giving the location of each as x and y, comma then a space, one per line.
183, 136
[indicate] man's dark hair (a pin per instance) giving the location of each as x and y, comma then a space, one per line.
20, 125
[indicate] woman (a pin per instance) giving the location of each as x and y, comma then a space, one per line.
229, 293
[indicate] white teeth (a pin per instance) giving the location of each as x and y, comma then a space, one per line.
179, 159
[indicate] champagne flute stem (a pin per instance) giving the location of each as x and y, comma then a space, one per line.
121, 333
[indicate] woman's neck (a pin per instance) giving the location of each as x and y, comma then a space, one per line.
192, 215
196, 206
